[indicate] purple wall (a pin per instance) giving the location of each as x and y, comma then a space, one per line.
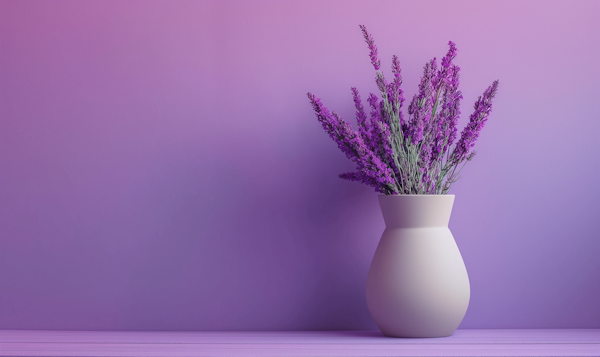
161, 169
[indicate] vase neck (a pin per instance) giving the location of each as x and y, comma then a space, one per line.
416, 211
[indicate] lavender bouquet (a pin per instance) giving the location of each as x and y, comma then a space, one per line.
415, 155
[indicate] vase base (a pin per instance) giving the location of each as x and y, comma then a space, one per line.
416, 336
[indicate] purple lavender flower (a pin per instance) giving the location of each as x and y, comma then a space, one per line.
375, 118
442, 123
452, 105
352, 145
361, 118
387, 151
381, 83
415, 158
447, 119
380, 132
362, 178
442, 75
375, 109
397, 92
368, 163
425, 154
396, 70
470, 133
422, 104
369, 39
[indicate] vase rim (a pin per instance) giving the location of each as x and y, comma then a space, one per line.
416, 211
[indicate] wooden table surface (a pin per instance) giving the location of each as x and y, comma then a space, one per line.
555, 342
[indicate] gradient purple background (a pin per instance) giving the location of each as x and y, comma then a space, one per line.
161, 168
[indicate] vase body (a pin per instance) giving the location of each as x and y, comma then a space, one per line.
417, 284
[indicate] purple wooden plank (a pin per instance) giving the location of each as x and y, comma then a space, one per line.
307, 343
374, 337
89, 349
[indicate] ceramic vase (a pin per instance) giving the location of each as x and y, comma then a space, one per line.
417, 284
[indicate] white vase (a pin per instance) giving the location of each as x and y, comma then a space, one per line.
417, 284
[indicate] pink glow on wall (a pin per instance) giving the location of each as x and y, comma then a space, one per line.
161, 169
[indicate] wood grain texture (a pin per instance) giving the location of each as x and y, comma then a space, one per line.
300, 343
